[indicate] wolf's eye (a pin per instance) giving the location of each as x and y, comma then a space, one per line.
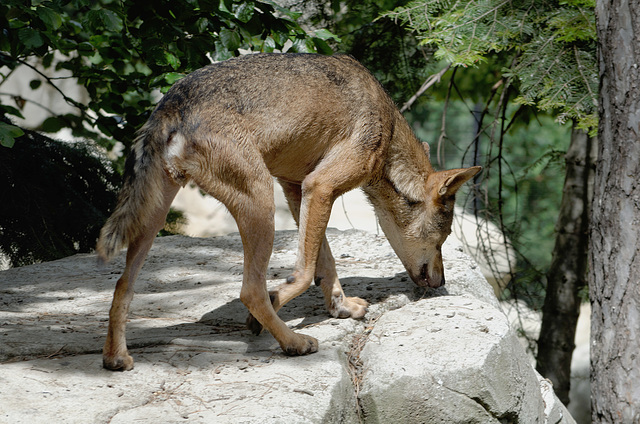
410, 202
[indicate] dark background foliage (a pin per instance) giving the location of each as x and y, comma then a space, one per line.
54, 197
124, 54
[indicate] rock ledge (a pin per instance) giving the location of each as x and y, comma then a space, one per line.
420, 355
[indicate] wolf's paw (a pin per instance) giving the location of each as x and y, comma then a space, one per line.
345, 307
302, 345
123, 362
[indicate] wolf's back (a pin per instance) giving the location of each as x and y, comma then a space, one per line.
140, 196
273, 101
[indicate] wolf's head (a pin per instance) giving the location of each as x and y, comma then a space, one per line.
418, 223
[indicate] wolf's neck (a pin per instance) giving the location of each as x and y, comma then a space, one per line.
404, 174
406, 164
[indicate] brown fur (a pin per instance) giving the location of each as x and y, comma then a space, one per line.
322, 126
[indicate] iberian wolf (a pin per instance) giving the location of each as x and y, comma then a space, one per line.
321, 126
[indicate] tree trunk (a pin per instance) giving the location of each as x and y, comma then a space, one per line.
568, 271
614, 274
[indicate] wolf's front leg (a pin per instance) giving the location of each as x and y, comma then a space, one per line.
325, 275
338, 305
248, 194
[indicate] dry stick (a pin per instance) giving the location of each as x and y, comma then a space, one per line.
49, 80
443, 134
428, 83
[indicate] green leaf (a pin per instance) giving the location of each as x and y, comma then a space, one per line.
34, 84
172, 60
47, 60
268, 45
321, 46
53, 124
157, 80
244, 12
10, 110
5, 46
104, 18
30, 38
303, 45
111, 21
222, 53
17, 21
66, 45
230, 39
202, 24
76, 26
8, 134
223, 8
325, 35
279, 38
86, 49
172, 77
50, 18
282, 10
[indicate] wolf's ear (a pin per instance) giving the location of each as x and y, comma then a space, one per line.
425, 146
448, 182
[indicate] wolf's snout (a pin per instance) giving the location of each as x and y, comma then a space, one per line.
426, 279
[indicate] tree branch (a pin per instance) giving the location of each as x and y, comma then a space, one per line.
49, 80
443, 134
33, 102
428, 83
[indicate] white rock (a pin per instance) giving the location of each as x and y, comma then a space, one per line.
195, 360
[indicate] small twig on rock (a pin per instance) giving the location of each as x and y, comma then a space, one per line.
356, 367
56, 353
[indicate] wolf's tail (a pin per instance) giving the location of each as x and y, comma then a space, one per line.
140, 197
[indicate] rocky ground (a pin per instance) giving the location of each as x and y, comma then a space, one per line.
448, 352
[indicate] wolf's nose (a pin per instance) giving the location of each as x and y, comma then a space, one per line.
435, 283
430, 280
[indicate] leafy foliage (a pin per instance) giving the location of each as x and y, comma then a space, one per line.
552, 45
390, 51
8, 134
121, 51
55, 197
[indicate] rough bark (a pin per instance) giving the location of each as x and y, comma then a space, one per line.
614, 274
568, 271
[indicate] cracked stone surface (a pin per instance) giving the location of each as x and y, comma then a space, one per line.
469, 364
195, 361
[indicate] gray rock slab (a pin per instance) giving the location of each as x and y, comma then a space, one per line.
469, 366
195, 361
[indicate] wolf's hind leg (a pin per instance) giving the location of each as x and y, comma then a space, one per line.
115, 355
